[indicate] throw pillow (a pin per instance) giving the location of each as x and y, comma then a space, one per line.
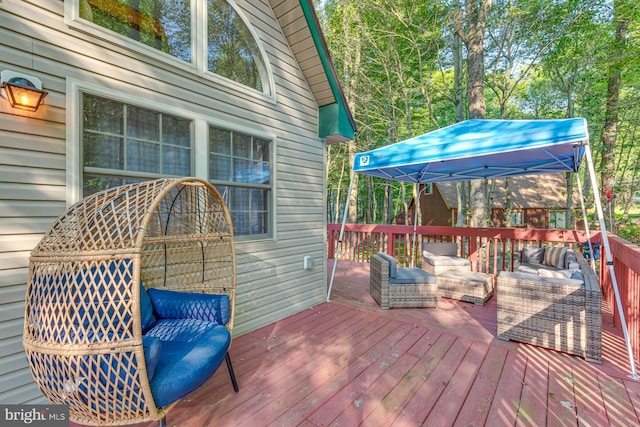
535, 255
554, 256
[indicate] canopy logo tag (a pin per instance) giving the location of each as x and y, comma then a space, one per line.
364, 160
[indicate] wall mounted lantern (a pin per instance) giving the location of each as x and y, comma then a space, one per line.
23, 92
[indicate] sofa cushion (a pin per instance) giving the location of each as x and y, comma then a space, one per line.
526, 277
192, 350
413, 276
532, 255
393, 264
440, 260
554, 256
562, 274
440, 248
530, 268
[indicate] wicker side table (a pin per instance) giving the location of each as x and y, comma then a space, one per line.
466, 286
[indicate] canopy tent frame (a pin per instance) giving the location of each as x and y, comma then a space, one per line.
490, 149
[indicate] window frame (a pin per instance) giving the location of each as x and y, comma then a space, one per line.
164, 104
198, 66
271, 215
519, 214
127, 173
552, 221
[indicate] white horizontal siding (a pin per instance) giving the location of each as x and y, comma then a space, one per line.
33, 172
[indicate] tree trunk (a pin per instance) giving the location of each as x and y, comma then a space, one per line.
570, 215
477, 12
352, 71
508, 203
609, 131
463, 200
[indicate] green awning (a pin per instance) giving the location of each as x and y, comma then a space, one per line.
336, 123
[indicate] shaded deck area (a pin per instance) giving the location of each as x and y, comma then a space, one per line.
348, 363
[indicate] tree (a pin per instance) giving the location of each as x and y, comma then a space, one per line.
471, 30
609, 131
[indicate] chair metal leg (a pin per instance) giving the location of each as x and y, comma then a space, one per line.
231, 373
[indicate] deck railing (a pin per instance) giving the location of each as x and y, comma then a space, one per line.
492, 250
626, 265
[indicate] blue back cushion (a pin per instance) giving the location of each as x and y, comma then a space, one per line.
393, 264
189, 305
146, 310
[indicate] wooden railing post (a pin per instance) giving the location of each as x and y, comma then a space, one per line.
331, 251
473, 250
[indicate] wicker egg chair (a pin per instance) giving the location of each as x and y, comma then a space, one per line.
88, 281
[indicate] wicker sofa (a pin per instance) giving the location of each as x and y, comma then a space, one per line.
392, 286
536, 304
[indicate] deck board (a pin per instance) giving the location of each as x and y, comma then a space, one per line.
478, 401
348, 363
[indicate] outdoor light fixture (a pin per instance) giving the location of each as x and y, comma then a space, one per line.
23, 92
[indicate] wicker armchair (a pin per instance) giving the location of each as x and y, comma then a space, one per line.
95, 339
392, 286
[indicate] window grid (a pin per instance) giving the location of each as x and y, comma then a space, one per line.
237, 167
129, 165
230, 48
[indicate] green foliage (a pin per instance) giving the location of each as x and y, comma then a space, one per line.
630, 232
542, 60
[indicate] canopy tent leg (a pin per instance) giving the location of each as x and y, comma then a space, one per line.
416, 206
609, 260
586, 221
344, 220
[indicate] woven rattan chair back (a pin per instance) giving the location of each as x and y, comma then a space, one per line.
82, 312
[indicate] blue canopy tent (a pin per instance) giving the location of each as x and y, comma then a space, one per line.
477, 149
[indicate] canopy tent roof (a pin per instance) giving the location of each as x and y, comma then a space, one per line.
480, 149
489, 149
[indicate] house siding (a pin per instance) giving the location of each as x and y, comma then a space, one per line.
434, 209
34, 39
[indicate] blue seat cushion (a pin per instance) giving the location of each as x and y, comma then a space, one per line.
413, 276
192, 350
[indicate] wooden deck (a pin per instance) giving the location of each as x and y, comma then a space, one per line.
348, 363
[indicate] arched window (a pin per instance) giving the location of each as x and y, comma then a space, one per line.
169, 26
232, 51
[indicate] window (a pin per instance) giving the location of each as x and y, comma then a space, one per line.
516, 217
557, 219
240, 168
170, 26
123, 143
428, 188
161, 24
232, 51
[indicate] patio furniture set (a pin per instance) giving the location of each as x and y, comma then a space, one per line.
552, 299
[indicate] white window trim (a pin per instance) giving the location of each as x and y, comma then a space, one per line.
140, 97
428, 188
198, 44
